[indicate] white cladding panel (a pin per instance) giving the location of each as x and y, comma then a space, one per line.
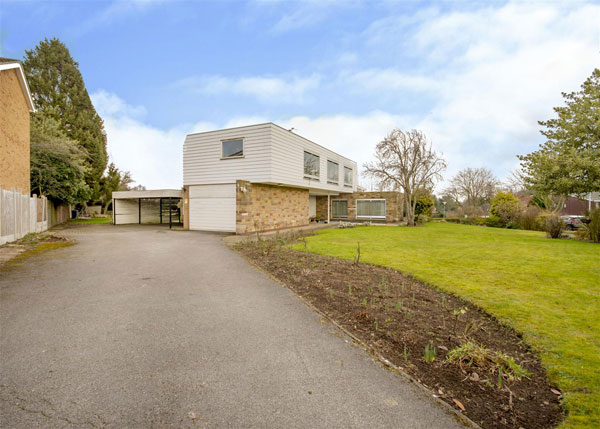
288, 162
202, 162
212, 207
271, 155
213, 191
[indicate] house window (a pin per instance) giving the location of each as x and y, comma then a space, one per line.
333, 172
348, 176
371, 209
311, 165
232, 148
339, 208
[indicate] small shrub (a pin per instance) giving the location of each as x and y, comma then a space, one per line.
554, 226
422, 219
475, 355
424, 205
473, 220
493, 221
506, 207
529, 219
593, 226
453, 220
513, 224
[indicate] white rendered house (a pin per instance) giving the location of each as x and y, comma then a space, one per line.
259, 177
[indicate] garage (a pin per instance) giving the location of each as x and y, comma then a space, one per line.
160, 206
212, 207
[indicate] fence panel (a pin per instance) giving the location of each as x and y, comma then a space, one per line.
21, 214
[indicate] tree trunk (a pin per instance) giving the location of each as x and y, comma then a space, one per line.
410, 212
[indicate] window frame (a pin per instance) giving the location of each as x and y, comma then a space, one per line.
339, 201
372, 217
337, 164
352, 175
310, 176
223, 157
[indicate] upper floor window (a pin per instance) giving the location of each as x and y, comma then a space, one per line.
232, 148
311, 165
348, 176
333, 172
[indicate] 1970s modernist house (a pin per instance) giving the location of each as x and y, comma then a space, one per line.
264, 177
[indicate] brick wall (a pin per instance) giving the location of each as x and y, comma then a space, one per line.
14, 133
266, 207
394, 205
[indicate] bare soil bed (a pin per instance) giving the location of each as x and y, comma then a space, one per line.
399, 317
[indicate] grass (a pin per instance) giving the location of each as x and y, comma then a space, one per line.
549, 290
94, 220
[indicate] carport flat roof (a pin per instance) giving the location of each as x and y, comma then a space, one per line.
152, 193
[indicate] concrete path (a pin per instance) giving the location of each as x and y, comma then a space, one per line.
145, 327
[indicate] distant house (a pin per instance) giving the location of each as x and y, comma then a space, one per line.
15, 105
576, 206
264, 177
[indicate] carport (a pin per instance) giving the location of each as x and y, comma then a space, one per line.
159, 206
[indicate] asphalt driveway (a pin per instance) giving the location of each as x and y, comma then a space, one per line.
145, 327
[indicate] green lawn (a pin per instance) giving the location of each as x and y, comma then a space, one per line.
547, 289
94, 220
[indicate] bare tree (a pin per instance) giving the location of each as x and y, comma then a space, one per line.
473, 187
406, 161
516, 182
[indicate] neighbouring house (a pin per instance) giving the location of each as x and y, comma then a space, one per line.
579, 206
15, 105
263, 177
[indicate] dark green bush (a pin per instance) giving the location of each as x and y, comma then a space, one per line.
453, 220
494, 222
474, 220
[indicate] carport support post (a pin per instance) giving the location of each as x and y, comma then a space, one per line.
170, 220
140, 211
113, 211
328, 208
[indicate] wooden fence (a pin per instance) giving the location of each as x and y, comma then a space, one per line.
21, 214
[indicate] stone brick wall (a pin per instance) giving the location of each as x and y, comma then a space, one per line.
322, 208
266, 207
394, 205
14, 133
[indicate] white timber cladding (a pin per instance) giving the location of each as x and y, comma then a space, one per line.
287, 163
203, 162
212, 207
272, 155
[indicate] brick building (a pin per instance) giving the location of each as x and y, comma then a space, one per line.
15, 106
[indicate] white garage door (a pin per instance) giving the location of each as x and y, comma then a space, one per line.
212, 207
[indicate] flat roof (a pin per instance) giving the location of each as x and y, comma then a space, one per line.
150, 193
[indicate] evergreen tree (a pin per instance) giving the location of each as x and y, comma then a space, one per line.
569, 161
59, 92
58, 164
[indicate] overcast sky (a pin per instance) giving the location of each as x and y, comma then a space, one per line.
475, 77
